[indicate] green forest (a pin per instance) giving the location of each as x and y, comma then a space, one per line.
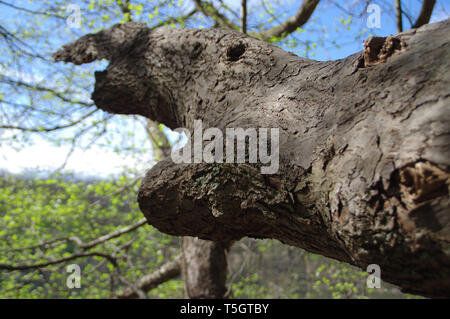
39, 215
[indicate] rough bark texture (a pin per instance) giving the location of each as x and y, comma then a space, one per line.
364, 144
204, 268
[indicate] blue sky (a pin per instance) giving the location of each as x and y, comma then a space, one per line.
330, 34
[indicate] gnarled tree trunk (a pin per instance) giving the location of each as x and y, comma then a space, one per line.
364, 142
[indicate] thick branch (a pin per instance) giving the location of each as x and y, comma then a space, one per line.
364, 151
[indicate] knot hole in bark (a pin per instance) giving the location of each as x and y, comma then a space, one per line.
379, 49
235, 52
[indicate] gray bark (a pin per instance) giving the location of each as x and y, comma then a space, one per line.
364, 142
204, 268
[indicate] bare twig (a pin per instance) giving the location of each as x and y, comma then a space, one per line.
210, 11
79, 242
58, 261
49, 129
114, 234
31, 11
291, 24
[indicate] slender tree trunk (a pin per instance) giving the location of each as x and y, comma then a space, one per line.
364, 142
204, 268
398, 15
244, 16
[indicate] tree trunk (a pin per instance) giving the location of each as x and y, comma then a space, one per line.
364, 142
204, 268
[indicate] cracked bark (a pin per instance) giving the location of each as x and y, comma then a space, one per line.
364, 144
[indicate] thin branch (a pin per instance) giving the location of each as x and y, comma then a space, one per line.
31, 11
235, 275
46, 89
398, 15
79, 242
49, 129
47, 244
175, 19
363, 12
407, 16
66, 159
159, 141
425, 13
31, 107
224, 6
210, 11
114, 254
136, 292
10, 38
165, 273
58, 261
114, 234
244, 16
120, 190
291, 24
125, 8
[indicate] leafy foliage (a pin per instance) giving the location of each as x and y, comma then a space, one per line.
34, 211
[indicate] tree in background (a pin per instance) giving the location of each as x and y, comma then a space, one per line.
33, 112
